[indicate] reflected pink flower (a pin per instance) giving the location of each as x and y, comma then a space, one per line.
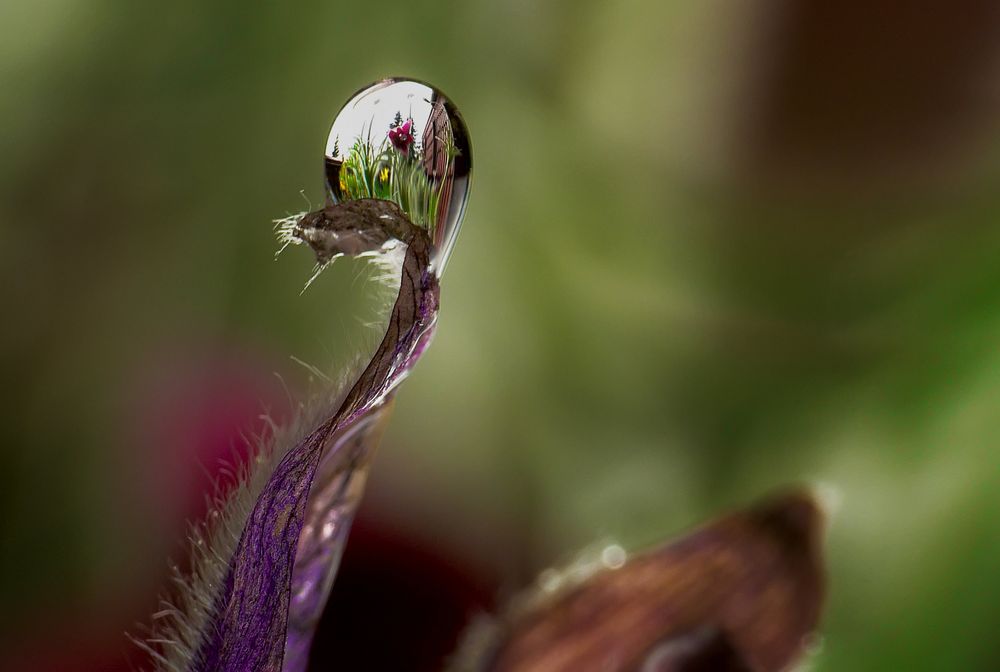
401, 136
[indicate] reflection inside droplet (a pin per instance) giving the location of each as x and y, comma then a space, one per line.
402, 140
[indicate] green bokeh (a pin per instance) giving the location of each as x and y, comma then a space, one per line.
629, 342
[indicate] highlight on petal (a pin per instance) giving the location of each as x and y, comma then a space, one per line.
743, 593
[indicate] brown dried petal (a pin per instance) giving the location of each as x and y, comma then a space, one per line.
742, 594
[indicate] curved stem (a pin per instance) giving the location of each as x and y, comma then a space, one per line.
251, 613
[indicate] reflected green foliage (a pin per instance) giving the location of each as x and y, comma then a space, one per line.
631, 338
387, 173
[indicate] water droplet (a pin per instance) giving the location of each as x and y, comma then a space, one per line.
404, 141
550, 580
613, 556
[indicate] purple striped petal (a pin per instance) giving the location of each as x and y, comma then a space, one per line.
258, 615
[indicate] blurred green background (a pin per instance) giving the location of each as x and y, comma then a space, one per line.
712, 248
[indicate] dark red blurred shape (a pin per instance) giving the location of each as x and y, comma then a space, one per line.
398, 604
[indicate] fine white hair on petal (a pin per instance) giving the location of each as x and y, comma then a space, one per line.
178, 627
284, 229
389, 262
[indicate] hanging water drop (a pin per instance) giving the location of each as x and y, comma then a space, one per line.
404, 141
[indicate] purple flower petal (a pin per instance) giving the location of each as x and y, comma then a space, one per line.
249, 627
